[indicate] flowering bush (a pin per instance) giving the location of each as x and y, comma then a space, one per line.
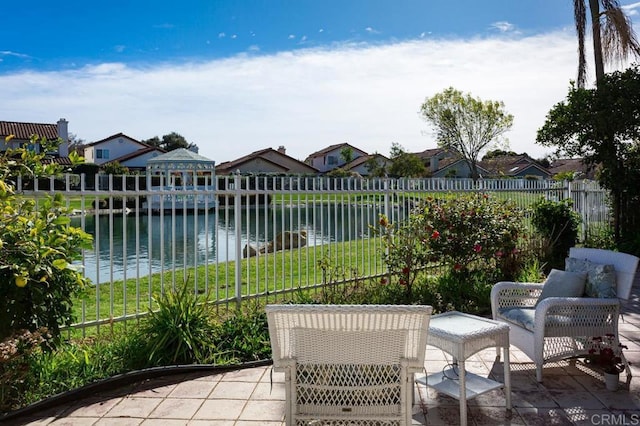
473, 231
605, 354
468, 234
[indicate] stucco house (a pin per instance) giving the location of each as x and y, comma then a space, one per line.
331, 157
444, 163
124, 149
266, 160
22, 133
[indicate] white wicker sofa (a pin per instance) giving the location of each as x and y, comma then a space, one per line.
348, 364
559, 327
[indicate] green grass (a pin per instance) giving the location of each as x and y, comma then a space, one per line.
268, 275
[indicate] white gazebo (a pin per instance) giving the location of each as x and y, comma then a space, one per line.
185, 178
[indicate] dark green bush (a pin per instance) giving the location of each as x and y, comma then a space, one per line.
558, 224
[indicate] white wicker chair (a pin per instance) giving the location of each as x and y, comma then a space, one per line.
562, 325
348, 363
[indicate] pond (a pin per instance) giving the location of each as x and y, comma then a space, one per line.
126, 246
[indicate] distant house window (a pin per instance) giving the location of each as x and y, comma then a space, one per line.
332, 159
102, 153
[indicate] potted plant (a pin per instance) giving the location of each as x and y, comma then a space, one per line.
605, 354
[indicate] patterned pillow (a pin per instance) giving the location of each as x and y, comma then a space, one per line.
601, 279
563, 284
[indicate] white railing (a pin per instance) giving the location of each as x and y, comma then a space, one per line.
305, 231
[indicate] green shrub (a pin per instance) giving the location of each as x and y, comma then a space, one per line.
558, 224
38, 280
17, 374
180, 331
242, 337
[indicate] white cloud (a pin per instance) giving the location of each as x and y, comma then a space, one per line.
631, 9
221, 35
119, 48
306, 99
503, 26
291, 36
15, 54
371, 30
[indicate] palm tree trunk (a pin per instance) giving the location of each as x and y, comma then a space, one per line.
594, 8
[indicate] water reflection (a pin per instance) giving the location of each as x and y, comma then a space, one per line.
133, 245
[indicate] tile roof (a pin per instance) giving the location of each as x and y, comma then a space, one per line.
117, 135
24, 131
333, 148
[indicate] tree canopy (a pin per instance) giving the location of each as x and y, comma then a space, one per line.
405, 164
170, 142
465, 124
611, 32
603, 126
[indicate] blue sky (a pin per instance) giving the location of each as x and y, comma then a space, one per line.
238, 76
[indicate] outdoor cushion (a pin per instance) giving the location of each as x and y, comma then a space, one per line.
601, 279
523, 317
563, 284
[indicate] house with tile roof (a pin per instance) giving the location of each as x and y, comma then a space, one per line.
576, 166
264, 161
124, 149
515, 166
444, 163
22, 133
361, 164
330, 157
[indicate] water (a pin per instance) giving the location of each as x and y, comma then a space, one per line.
130, 246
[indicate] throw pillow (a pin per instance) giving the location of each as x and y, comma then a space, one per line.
563, 284
601, 279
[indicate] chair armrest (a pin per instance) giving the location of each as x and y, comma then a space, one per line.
585, 316
509, 294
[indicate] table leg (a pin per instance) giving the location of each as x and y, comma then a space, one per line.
507, 377
463, 393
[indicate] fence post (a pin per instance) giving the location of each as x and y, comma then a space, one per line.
237, 217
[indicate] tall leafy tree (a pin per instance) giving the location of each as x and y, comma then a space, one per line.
169, 142
612, 34
602, 125
405, 164
465, 124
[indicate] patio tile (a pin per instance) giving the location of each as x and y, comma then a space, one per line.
619, 400
245, 375
118, 422
92, 407
193, 389
220, 409
267, 391
176, 408
531, 399
561, 382
491, 416
211, 423
257, 423
445, 416
233, 390
544, 417
160, 391
164, 422
76, 421
263, 410
494, 398
577, 400
134, 407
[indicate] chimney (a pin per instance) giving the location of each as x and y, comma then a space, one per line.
63, 133
282, 150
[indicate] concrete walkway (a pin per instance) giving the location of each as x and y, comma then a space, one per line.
569, 395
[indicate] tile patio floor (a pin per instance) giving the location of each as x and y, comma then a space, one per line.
569, 395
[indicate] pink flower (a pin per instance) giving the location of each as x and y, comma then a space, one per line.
477, 248
435, 235
383, 281
405, 270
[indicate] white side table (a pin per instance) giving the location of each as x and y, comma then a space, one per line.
462, 335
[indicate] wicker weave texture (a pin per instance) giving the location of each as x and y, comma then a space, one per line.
348, 364
563, 324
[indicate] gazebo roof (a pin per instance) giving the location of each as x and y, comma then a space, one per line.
180, 159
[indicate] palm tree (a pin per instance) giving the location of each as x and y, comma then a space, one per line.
613, 35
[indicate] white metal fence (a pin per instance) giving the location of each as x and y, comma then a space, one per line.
238, 237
